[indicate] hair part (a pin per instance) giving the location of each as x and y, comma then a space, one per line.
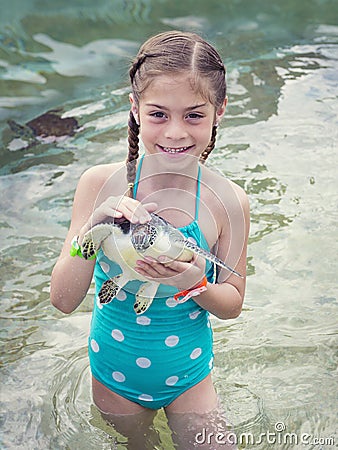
175, 52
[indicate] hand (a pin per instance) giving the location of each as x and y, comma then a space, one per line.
182, 275
118, 208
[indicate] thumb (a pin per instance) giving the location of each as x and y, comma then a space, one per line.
150, 207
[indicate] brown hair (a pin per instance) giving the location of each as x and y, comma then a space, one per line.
175, 52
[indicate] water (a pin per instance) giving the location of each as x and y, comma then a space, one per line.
277, 362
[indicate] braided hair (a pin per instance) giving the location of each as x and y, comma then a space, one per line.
174, 52
133, 152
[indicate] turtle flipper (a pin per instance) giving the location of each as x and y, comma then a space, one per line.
145, 297
142, 304
21, 131
112, 287
209, 256
88, 248
109, 290
93, 238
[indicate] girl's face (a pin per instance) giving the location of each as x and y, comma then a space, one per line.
174, 119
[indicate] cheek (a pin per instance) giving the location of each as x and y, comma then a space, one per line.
147, 135
204, 135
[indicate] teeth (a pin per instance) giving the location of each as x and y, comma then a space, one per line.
174, 150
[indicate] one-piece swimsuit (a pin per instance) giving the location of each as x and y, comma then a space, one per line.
154, 357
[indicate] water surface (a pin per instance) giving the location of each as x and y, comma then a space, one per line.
277, 362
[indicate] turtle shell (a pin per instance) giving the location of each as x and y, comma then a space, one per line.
50, 124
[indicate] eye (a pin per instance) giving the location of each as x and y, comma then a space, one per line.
158, 115
194, 116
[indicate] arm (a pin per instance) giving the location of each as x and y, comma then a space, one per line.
225, 298
71, 276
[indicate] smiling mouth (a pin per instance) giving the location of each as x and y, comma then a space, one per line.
174, 150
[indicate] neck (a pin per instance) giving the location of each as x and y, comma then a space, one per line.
159, 172
172, 187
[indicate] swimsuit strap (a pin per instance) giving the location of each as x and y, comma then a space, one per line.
137, 176
198, 194
198, 191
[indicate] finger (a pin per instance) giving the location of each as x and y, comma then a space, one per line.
198, 261
103, 213
135, 211
147, 271
174, 264
130, 208
141, 214
150, 207
163, 269
154, 270
118, 212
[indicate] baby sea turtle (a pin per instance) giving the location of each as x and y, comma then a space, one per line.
125, 242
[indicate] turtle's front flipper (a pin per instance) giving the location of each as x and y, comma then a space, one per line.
93, 238
111, 288
210, 257
145, 297
21, 131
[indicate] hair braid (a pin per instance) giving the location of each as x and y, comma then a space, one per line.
133, 131
211, 145
135, 66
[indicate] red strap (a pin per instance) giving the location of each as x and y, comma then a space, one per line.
201, 287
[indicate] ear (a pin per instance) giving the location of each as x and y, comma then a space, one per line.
134, 108
220, 111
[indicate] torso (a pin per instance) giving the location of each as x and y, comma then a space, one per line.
153, 358
174, 204
164, 339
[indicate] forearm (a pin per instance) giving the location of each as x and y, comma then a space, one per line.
222, 300
70, 281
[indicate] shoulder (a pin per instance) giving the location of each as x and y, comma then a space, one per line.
101, 173
96, 177
223, 186
94, 186
232, 197
241, 195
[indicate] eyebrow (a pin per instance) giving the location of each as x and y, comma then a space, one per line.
190, 108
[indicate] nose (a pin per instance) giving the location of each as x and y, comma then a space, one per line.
175, 130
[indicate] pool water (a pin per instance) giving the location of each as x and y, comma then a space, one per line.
275, 365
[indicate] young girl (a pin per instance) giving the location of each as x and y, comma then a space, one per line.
163, 358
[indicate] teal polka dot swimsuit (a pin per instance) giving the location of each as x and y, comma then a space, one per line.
152, 358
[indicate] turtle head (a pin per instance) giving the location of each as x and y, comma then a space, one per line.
143, 236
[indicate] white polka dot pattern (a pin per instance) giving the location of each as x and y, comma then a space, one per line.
153, 356
146, 397
144, 363
171, 381
105, 267
143, 320
196, 353
94, 346
119, 377
117, 335
99, 305
194, 315
121, 296
171, 302
171, 341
